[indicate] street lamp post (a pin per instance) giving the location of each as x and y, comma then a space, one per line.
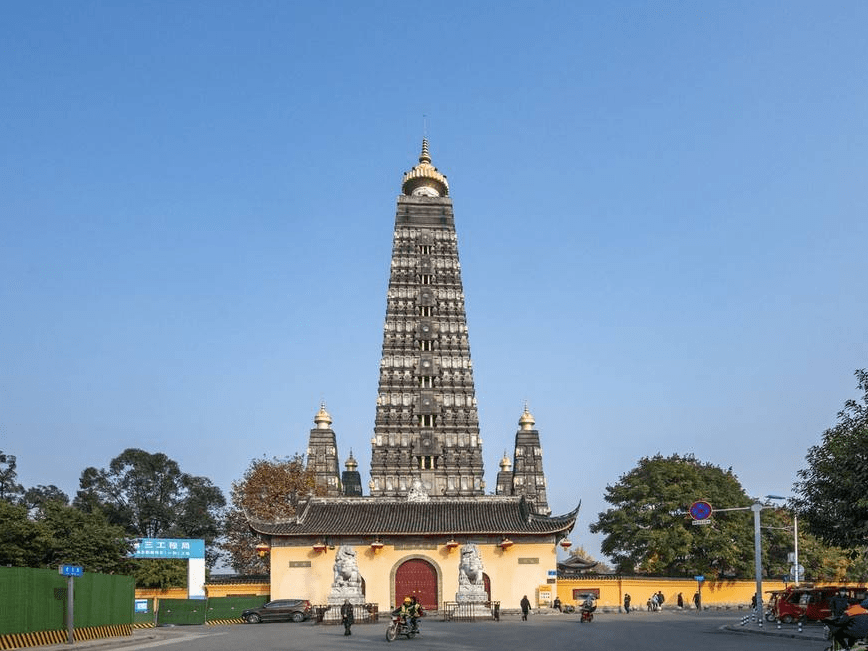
795, 540
756, 507
796, 549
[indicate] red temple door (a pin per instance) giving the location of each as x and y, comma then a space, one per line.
419, 578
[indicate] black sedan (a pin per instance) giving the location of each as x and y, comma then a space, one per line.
279, 610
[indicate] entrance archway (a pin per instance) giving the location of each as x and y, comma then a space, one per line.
417, 577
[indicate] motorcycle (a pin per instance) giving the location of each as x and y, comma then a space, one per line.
400, 626
587, 614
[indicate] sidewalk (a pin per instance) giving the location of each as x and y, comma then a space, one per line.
139, 636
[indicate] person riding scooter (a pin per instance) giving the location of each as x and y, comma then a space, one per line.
589, 605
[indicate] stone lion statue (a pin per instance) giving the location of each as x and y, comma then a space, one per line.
346, 568
470, 567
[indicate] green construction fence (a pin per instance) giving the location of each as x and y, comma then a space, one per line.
33, 600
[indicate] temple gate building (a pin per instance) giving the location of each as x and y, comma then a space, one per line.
427, 528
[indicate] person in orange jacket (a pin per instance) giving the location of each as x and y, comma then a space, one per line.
850, 626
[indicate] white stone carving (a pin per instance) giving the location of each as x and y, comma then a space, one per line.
471, 584
417, 493
347, 582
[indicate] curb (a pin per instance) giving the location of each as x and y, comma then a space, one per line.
775, 633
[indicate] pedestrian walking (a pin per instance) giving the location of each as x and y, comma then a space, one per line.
680, 601
347, 618
697, 601
627, 600
837, 604
525, 608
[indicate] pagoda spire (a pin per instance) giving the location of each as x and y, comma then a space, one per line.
425, 180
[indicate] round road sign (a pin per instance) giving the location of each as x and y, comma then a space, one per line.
700, 510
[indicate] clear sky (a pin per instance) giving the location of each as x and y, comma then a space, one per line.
661, 213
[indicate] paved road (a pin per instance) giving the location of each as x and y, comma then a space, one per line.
635, 632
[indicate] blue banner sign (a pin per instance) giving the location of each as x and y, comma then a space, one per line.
168, 548
70, 570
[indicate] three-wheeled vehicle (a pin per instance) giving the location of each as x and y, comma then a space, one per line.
806, 601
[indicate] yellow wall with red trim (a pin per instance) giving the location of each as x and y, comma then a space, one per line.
714, 593
304, 573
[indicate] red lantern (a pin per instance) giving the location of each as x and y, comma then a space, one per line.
319, 547
506, 543
452, 544
565, 543
376, 545
262, 549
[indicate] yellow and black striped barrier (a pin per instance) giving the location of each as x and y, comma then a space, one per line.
43, 638
224, 622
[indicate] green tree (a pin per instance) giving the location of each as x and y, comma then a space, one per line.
85, 539
270, 489
60, 535
22, 541
36, 497
648, 529
160, 573
150, 497
10, 489
832, 492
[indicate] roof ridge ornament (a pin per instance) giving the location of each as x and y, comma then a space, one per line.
417, 493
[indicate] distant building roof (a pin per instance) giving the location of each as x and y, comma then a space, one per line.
576, 565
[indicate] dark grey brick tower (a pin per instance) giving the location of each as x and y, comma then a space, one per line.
322, 454
351, 478
427, 428
526, 477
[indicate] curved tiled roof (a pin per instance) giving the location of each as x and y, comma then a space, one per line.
382, 516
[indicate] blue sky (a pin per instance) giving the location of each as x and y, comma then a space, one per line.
660, 210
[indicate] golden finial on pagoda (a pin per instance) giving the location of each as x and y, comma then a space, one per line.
526, 421
425, 180
322, 418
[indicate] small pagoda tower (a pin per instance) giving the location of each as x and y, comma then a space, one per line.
504, 477
351, 478
322, 454
527, 477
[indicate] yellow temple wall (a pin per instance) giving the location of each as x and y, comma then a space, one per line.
305, 573
640, 589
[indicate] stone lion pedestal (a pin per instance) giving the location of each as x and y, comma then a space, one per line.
471, 596
347, 584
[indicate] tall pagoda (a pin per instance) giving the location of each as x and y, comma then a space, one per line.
426, 431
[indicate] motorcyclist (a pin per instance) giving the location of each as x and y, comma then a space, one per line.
415, 613
404, 610
589, 605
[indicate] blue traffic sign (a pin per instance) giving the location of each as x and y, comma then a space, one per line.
700, 510
71, 570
